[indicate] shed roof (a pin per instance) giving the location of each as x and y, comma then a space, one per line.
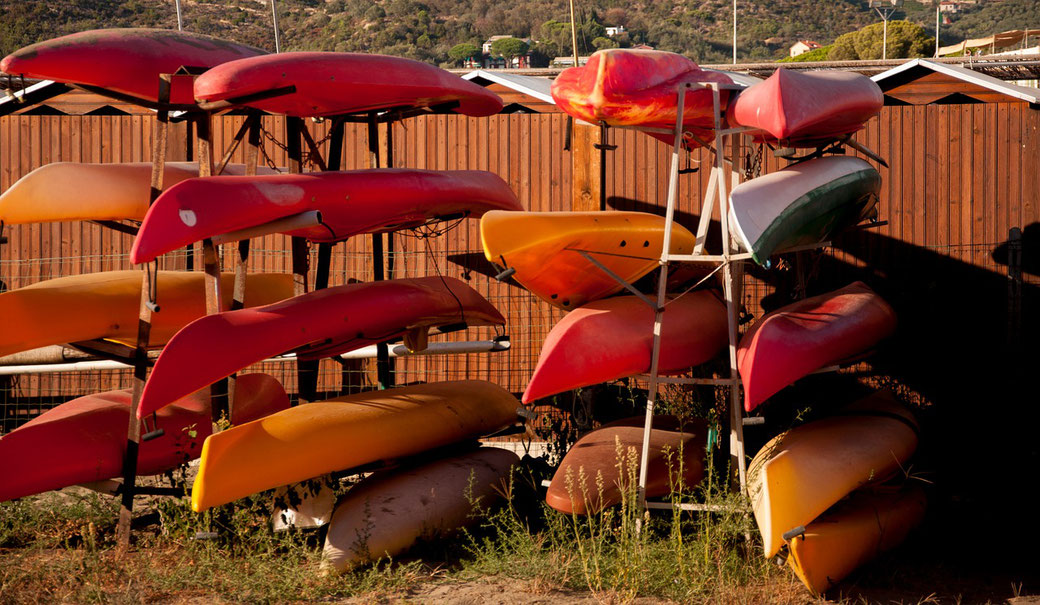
919, 69
528, 85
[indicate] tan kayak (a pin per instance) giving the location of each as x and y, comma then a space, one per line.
106, 306
387, 513
802, 472
71, 191
318, 438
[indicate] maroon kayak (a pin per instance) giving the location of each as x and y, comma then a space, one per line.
328, 83
350, 202
84, 440
795, 109
126, 61
612, 338
314, 325
802, 337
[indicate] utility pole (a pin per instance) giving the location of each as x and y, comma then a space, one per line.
938, 4
734, 32
885, 8
274, 17
574, 35
180, 26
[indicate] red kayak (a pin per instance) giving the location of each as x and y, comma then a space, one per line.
811, 109
626, 87
594, 460
328, 83
84, 440
351, 202
314, 325
126, 61
613, 338
802, 337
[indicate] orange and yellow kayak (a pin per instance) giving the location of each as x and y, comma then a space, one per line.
107, 305
546, 249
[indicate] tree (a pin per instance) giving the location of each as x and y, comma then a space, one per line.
905, 40
461, 52
603, 42
509, 48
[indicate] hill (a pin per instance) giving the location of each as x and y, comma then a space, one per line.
427, 29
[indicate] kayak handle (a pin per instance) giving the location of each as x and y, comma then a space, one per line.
504, 275
791, 534
153, 435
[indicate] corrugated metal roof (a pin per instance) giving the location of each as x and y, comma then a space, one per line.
529, 85
1031, 95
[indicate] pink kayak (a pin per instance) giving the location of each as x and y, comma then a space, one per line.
612, 338
802, 337
328, 83
314, 325
84, 440
795, 109
350, 202
126, 61
627, 87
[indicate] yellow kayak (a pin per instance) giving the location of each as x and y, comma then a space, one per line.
318, 438
544, 248
71, 191
802, 472
106, 306
852, 533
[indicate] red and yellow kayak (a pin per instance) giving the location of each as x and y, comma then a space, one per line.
810, 334
126, 61
314, 439
609, 456
333, 83
107, 306
395, 509
71, 191
350, 202
314, 325
806, 109
84, 440
613, 338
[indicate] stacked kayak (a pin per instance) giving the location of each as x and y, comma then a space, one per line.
810, 109
808, 335
84, 440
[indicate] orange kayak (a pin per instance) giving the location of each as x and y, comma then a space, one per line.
107, 305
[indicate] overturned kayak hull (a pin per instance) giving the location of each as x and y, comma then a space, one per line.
387, 513
314, 325
314, 439
545, 249
328, 83
613, 338
349, 202
796, 340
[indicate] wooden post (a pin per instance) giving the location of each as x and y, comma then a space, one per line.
586, 163
306, 371
160, 130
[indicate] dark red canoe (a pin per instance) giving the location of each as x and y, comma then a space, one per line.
84, 440
609, 456
612, 338
328, 83
350, 202
796, 109
314, 325
126, 61
802, 337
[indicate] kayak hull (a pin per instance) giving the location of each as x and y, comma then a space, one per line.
609, 457
627, 87
798, 339
126, 61
386, 514
314, 439
544, 248
350, 202
613, 338
314, 325
70, 191
328, 83
803, 204
810, 109
107, 305
84, 440
802, 472
853, 532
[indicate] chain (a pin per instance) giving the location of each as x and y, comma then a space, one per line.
753, 162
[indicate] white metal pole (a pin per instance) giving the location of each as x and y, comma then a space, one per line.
574, 35
274, 17
884, 43
180, 25
734, 32
937, 4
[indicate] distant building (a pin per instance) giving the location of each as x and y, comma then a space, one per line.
615, 31
487, 61
643, 47
568, 61
948, 7
803, 46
